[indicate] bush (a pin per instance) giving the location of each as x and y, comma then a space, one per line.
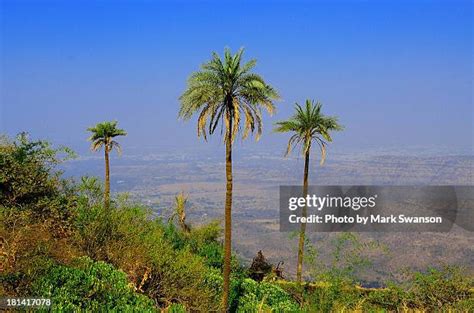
264, 296
135, 242
29, 180
332, 297
89, 286
439, 287
350, 257
175, 308
392, 298
214, 280
442, 289
36, 211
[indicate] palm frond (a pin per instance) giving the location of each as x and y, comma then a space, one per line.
309, 124
223, 90
115, 145
102, 134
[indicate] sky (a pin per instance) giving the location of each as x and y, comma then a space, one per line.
398, 74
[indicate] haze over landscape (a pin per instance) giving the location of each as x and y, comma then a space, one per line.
156, 179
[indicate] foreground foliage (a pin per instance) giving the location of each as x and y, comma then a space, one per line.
59, 241
91, 286
47, 220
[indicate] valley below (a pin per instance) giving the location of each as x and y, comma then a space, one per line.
155, 179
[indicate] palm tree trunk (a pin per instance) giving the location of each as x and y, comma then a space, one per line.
299, 268
107, 180
228, 219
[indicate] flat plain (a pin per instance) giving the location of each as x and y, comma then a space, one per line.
155, 179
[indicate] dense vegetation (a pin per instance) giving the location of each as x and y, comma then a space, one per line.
59, 241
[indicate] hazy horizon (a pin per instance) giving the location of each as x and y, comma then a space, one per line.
397, 74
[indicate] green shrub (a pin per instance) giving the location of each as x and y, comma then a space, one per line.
137, 244
351, 256
37, 209
439, 287
89, 286
176, 308
91, 230
264, 296
391, 298
214, 280
435, 290
29, 179
442, 289
335, 296
174, 236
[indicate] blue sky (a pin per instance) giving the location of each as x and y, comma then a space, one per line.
397, 73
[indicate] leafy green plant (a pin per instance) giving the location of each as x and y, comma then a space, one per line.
37, 209
29, 180
333, 297
264, 296
438, 287
89, 286
350, 257
137, 244
391, 298
175, 308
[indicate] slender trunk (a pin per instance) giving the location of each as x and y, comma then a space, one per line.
228, 219
107, 180
299, 269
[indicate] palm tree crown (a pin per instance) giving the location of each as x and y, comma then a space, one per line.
308, 125
103, 134
223, 91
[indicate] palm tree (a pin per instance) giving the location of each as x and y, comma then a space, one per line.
308, 125
222, 92
102, 136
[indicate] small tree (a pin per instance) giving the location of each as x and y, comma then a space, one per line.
103, 135
308, 125
180, 212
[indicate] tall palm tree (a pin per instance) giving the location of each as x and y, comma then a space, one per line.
308, 125
102, 136
222, 92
